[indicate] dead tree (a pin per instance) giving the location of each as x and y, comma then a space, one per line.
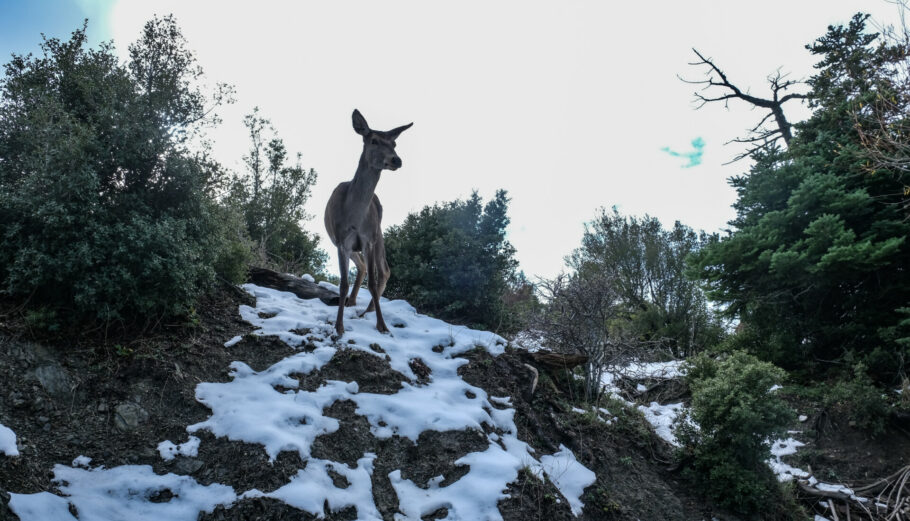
717, 87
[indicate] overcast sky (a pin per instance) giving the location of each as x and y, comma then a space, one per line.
568, 105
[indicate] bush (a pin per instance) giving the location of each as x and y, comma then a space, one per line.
452, 260
727, 434
104, 207
859, 400
270, 196
235, 248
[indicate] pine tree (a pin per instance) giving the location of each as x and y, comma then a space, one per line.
816, 266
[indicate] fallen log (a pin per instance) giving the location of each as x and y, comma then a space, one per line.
284, 282
557, 361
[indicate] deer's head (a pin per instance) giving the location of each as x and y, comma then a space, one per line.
378, 146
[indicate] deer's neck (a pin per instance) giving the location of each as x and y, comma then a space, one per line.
360, 192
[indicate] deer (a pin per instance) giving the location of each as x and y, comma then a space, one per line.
353, 218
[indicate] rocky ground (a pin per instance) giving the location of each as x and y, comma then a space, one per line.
115, 399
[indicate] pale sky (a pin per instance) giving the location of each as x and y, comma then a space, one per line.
565, 104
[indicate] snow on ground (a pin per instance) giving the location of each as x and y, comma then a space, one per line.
528, 340
169, 451
569, 476
124, 492
82, 461
661, 417
313, 487
783, 471
266, 407
8, 441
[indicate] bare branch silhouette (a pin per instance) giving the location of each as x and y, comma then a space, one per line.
718, 88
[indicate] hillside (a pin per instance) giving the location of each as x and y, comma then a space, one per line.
261, 414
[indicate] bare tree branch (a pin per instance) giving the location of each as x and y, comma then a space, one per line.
761, 137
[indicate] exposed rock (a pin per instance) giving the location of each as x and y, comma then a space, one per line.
129, 415
187, 466
54, 379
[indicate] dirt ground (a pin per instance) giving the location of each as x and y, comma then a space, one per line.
115, 399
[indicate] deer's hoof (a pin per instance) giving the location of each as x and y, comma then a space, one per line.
382, 328
339, 329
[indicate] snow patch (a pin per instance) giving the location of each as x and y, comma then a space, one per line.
41, 506
124, 492
569, 476
169, 451
312, 488
82, 461
233, 341
8, 441
661, 417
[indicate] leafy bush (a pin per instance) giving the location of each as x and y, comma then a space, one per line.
104, 207
726, 436
453, 260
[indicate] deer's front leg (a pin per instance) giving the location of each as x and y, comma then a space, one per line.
342, 289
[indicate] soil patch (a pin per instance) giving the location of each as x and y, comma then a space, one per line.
372, 373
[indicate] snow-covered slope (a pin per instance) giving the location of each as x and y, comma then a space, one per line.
268, 408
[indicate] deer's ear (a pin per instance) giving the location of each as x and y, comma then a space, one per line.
360, 123
396, 131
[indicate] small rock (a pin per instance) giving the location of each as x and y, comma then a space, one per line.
102, 407
803, 417
129, 415
187, 465
43, 419
17, 400
148, 453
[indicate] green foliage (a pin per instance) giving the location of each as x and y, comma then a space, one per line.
816, 264
646, 265
453, 260
104, 206
235, 249
859, 400
271, 196
735, 416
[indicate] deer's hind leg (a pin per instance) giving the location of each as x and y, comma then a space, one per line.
373, 285
382, 272
361, 265
343, 257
